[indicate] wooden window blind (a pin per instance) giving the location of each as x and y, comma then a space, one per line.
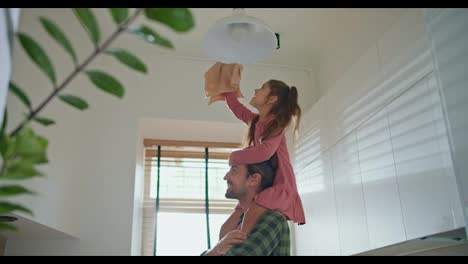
191, 186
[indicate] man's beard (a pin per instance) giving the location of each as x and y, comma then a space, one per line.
230, 195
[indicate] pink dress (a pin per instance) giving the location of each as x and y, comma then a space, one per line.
282, 196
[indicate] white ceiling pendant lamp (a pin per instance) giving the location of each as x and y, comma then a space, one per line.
239, 39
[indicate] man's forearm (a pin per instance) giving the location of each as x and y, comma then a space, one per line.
210, 252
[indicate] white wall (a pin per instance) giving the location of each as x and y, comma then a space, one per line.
448, 34
90, 183
374, 168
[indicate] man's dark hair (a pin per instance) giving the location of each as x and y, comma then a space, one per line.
267, 169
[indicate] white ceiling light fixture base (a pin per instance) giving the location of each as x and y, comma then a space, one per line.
239, 39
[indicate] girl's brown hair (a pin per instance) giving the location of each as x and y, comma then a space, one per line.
285, 109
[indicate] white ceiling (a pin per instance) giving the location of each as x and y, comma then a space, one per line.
307, 35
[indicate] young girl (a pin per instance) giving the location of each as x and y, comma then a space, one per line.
277, 105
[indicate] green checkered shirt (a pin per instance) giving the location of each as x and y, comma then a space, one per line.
270, 237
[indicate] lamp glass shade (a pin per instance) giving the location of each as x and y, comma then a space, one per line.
239, 39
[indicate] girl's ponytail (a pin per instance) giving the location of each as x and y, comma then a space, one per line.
294, 109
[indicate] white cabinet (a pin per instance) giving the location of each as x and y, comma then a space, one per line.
421, 173
350, 205
442, 135
321, 228
389, 180
448, 34
319, 236
384, 215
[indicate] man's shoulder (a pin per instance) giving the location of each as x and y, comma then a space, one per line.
273, 213
275, 216
274, 222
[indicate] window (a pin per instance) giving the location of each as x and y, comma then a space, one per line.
179, 211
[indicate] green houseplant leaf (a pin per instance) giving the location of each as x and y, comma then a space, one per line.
7, 227
89, 22
7, 207
37, 55
149, 35
106, 83
22, 150
20, 170
20, 94
4, 140
56, 33
10, 190
44, 121
178, 19
28, 144
119, 15
74, 101
128, 59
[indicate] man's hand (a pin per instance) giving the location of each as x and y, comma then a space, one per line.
223, 246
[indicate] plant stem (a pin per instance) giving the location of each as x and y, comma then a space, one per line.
99, 49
